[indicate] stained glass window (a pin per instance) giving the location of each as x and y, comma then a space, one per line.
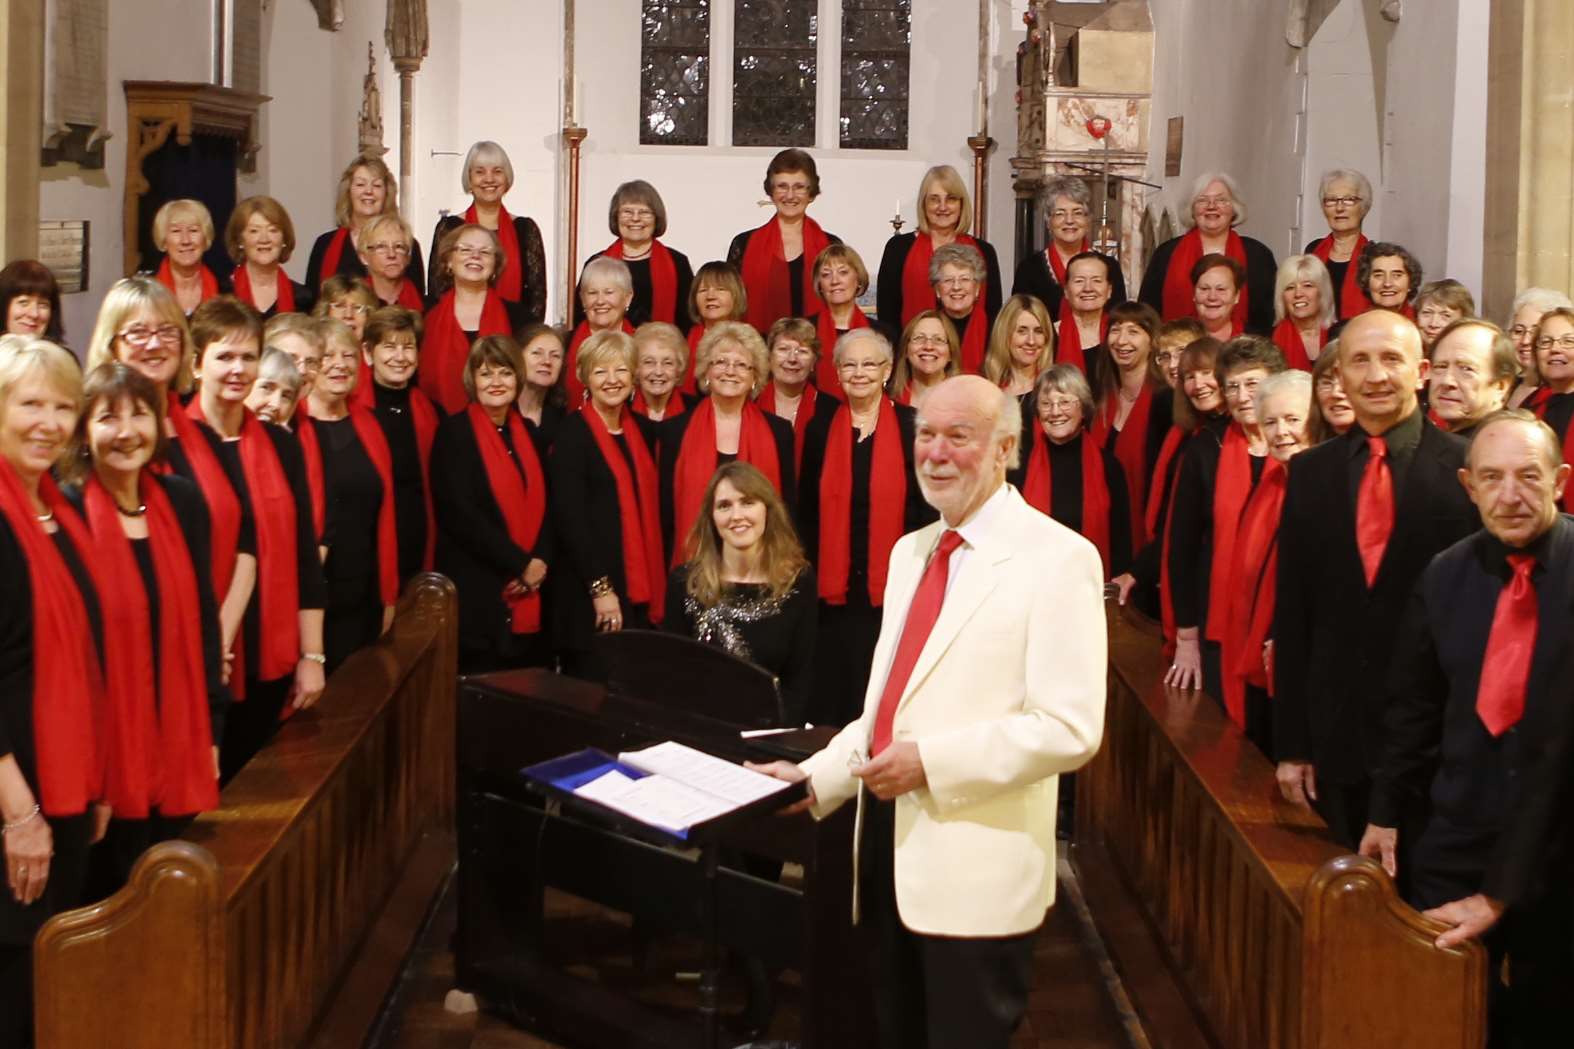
876, 44
674, 93
774, 70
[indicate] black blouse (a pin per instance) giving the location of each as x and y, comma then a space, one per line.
393, 412
355, 497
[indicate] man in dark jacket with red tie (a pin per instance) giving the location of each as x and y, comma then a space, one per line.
1363, 515
1478, 720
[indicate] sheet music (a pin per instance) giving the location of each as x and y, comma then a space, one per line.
734, 784
656, 800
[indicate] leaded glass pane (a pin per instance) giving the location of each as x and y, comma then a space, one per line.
674, 91
773, 81
876, 48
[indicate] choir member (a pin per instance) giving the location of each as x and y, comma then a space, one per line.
1481, 679
279, 656
1473, 366
1021, 346
543, 399
469, 308
1215, 209
661, 358
605, 291
1523, 316
1283, 405
1303, 310
183, 231
1390, 276
51, 682
1346, 197
30, 300
858, 497
260, 239
606, 509
1438, 304
775, 259
1220, 468
1216, 295
1069, 475
390, 348
945, 211
726, 424
957, 273
746, 588
163, 669
1134, 408
384, 243
839, 278
1363, 514
494, 539
277, 391
1555, 365
487, 176
1083, 323
1067, 207
928, 354
1174, 336
794, 393
347, 299
716, 295
366, 190
301, 338
661, 276
1332, 413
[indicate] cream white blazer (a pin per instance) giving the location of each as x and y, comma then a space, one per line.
1007, 693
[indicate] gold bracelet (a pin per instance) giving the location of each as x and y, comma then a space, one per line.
601, 587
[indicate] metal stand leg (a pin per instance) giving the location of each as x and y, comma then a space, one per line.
710, 975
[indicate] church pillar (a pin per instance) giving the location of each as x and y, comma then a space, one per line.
21, 124
1529, 235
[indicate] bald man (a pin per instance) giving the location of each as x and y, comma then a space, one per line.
1363, 514
987, 684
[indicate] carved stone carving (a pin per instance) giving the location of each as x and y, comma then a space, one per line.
76, 82
371, 119
330, 13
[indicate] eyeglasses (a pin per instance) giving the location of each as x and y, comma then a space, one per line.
1249, 386
1547, 342
381, 248
964, 281
795, 188
1057, 404
142, 338
1519, 331
1215, 202
635, 214
860, 367
1061, 214
465, 251
726, 367
1341, 202
928, 340
938, 200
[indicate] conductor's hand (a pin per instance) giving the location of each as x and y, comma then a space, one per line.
1381, 844
1469, 918
897, 770
787, 772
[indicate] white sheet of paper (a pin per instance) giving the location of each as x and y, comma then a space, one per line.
655, 800
734, 784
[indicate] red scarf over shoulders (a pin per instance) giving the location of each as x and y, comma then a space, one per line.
316, 485
1131, 451
375, 443
975, 340
825, 376
334, 254
1179, 292
284, 291
224, 509
663, 280
697, 463
1232, 486
1253, 584
918, 291
519, 486
210, 283
1287, 337
639, 512
887, 502
1069, 348
511, 281
1352, 300
1038, 489
446, 347
800, 422
766, 277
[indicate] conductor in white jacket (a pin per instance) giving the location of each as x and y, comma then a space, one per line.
987, 683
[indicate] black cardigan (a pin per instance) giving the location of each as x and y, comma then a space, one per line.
532, 305
1261, 271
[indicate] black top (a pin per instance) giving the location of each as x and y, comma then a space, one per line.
1035, 277
305, 299
544, 433
640, 310
1558, 413
1336, 272
246, 543
1065, 494
670, 436
1261, 271
531, 307
776, 634
889, 292
1334, 638
351, 266
392, 409
740, 244
354, 495
1191, 522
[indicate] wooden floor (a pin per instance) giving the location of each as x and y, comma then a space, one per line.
1069, 1006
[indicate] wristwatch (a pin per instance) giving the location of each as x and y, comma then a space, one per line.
315, 657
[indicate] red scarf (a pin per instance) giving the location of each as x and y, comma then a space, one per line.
1287, 337
975, 341
800, 422
765, 273
446, 346
511, 282
663, 280
887, 500
918, 291
278, 572
639, 516
1038, 489
697, 464
1179, 292
1352, 300
210, 283
375, 443
160, 739
408, 297
573, 388
284, 300
424, 418
677, 404
825, 376
1232, 486
335, 253
1255, 565
311, 452
1131, 450
1539, 403
68, 687
519, 486
224, 509
688, 385
1069, 348
1057, 267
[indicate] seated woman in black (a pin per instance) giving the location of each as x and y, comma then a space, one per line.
745, 587
489, 492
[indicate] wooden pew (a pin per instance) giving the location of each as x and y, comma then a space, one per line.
1271, 936
241, 935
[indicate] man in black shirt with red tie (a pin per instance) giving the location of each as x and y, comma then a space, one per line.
1480, 690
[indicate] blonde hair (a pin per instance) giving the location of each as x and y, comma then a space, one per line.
269, 209
781, 556
342, 286
1300, 267
342, 210
450, 243
372, 226
604, 346
840, 253
901, 372
738, 334
22, 356
132, 295
948, 179
174, 211
997, 363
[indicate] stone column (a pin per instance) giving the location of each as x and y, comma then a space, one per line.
21, 124
1530, 151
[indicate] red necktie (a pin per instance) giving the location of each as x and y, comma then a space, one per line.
1374, 508
1500, 700
921, 616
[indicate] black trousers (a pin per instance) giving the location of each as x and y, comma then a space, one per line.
935, 992
18, 924
1343, 806
16, 995
251, 723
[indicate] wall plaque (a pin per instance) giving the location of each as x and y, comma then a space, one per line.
1172, 146
62, 246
